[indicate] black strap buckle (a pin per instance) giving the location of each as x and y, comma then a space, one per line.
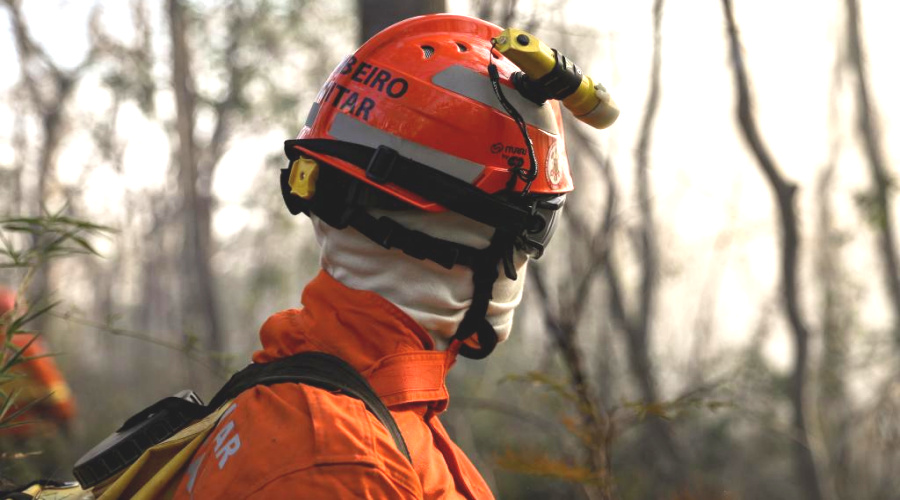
381, 164
384, 231
390, 234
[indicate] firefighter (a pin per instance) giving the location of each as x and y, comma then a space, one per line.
38, 382
34, 439
432, 170
431, 178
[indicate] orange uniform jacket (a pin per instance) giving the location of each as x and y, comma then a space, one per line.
297, 441
40, 381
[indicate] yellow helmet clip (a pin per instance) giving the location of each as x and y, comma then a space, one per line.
303, 177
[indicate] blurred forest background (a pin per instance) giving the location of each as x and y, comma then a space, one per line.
718, 317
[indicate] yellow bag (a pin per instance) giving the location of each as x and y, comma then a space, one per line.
157, 472
154, 475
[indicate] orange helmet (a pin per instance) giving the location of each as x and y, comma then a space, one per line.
424, 116
422, 87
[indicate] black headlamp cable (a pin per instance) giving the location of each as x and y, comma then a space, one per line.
529, 176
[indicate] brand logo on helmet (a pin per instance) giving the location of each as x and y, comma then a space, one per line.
515, 161
554, 173
499, 147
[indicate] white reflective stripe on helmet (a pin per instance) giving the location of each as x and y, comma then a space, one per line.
346, 128
313, 113
473, 85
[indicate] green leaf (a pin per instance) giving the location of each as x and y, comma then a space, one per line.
84, 244
13, 360
15, 228
7, 404
18, 323
6, 417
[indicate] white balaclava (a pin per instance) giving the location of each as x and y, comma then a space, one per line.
435, 297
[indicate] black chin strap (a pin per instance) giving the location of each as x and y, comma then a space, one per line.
484, 263
484, 275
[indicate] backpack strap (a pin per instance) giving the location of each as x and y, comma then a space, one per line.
318, 370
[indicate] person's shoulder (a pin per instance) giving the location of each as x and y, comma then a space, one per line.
272, 437
312, 425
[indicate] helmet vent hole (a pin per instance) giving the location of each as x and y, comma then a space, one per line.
461, 47
428, 50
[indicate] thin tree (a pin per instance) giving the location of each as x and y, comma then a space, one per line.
836, 304
784, 191
49, 89
636, 325
878, 203
562, 324
199, 297
196, 159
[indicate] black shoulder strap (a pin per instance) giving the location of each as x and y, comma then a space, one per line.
318, 370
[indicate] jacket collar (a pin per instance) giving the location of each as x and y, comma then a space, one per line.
379, 340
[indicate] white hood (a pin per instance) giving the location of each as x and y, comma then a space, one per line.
435, 297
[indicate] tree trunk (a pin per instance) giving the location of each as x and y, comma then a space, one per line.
880, 210
376, 15
640, 331
783, 191
837, 320
51, 126
49, 90
201, 317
